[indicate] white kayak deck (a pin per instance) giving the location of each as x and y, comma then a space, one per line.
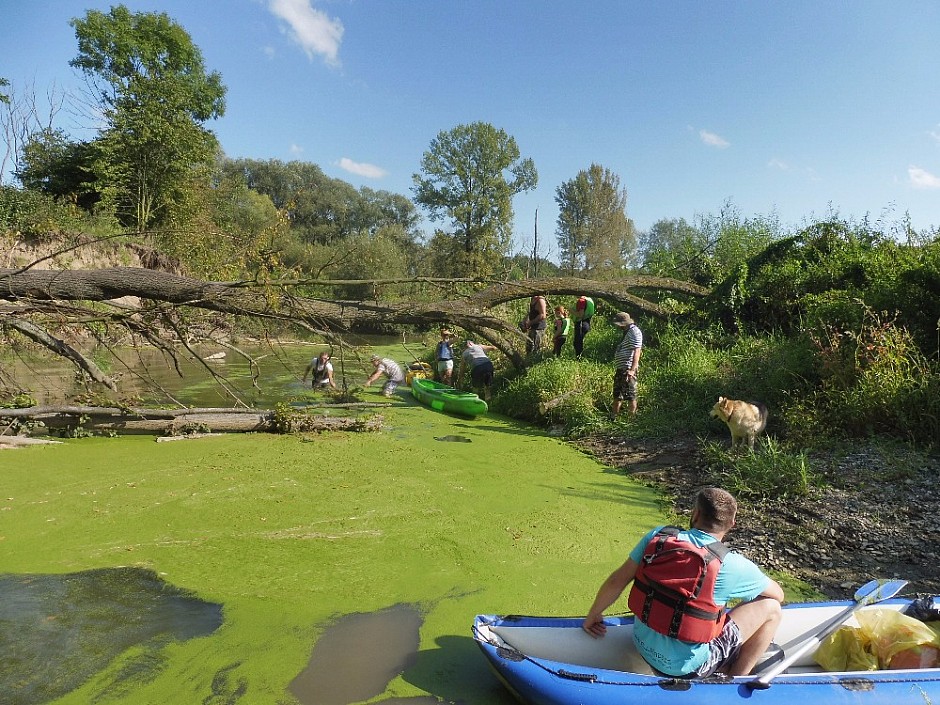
615, 651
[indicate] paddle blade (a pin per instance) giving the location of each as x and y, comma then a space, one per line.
866, 590
885, 591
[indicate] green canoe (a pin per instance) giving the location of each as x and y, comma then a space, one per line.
443, 398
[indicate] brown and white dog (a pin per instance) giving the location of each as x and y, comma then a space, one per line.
745, 419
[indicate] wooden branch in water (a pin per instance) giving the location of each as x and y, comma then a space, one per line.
179, 421
20, 441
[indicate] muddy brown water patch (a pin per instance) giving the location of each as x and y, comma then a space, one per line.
57, 631
358, 655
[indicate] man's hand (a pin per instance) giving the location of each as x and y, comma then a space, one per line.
594, 625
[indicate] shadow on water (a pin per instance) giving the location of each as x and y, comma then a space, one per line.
358, 655
57, 631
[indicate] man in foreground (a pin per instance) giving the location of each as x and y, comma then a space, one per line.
700, 638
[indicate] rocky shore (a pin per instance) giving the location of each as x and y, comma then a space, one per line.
875, 513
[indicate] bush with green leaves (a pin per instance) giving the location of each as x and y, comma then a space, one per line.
874, 380
40, 216
581, 389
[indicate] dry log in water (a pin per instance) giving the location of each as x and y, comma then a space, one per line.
183, 421
20, 441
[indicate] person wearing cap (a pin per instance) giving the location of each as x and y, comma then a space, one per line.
626, 362
444, 354
390, 369
321, 371
481, 367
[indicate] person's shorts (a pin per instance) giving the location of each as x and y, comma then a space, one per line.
391, 386
724, 648
624, 386
444, 366
482, 374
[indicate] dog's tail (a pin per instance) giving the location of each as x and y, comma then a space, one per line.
763, 414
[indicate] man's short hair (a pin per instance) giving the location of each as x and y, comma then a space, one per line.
717, 509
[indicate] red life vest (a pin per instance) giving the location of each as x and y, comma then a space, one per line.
674, 589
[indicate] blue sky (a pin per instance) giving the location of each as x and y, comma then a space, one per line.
796, 109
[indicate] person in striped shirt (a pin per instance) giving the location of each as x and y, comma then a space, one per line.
626, 362
391, 369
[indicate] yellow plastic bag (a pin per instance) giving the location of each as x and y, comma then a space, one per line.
897, 640
884, 639
846, 650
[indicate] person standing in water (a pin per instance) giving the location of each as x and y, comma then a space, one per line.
444, 357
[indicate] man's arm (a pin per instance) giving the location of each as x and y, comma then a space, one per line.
609, 592
636, 361
773, 591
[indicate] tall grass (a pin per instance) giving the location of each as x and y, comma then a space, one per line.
769, 471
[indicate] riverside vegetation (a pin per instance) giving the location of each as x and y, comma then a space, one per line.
834, 325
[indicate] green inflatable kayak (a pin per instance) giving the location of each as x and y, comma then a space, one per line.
443, 398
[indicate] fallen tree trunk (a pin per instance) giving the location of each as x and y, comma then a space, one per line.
20, 441
70, 419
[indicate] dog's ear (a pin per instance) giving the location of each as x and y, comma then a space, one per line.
727, 405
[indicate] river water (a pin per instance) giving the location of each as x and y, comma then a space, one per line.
255, 374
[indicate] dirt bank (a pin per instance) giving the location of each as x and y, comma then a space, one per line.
875, 515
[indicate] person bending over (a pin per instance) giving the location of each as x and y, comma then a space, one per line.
700, 638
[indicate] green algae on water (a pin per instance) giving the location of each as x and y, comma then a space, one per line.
56, 631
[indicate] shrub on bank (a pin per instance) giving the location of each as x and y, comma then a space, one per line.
557, 391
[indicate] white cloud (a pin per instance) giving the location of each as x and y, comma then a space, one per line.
315, 32
713, 140
922, 179
296, 149
778, 164
370, 171
935, 135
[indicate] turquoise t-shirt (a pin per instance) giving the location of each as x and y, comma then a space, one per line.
738, 578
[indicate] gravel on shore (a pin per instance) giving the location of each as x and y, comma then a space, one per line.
876, 513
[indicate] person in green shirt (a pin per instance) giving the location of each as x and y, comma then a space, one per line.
562, 328
583, 311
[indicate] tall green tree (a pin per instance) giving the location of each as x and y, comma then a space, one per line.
154, 93
673, 247
595, 236
469, 176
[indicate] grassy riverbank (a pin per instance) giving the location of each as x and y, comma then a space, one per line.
290, 533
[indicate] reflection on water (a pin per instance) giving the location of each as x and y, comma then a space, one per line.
275, 374
356, 657
56, 631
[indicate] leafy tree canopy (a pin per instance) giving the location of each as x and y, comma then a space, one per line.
469, 176
153, 91
595, 236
